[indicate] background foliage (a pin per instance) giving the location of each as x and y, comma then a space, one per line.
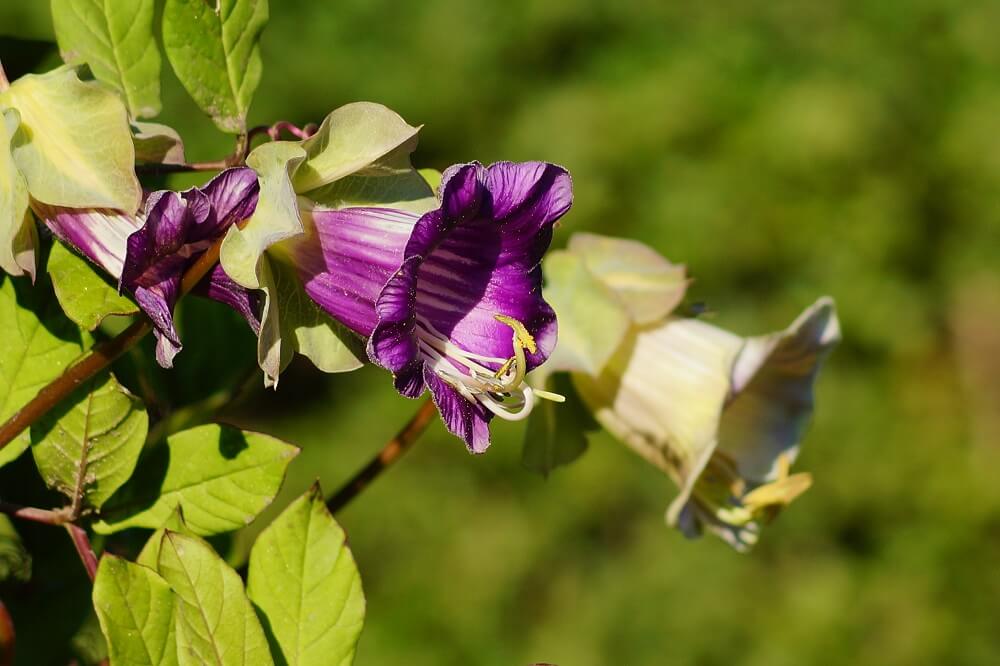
781, 150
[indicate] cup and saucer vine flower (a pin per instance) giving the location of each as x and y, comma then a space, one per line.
721, 414
445, 290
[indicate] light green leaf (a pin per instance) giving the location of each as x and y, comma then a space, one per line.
592, 321
114, 37
305, 584
88, 445
649, 286
83, 294
556, 434
216, 624
150, 554
73, 145
38, 345
360, 138
15, 560
135, 607
406, 190
157, 144
213, 47
222, 477
18, 236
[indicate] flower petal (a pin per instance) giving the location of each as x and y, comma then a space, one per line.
467, 420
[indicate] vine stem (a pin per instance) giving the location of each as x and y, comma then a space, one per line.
79, 537
100, 357
390, 453
31, 513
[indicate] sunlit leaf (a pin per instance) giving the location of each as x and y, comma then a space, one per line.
221, 477
18, 236
213, 47
84, 295
149, 556
87, 446
115, 38
135, 607
304, 582
216, 624
73, 145
39, 343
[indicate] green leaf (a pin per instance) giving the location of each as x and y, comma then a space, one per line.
135, 607
38, 345
157, 144
115, 38
592, 321
216, 624
557, 432
15, 560
222, 477
18, 236
73, 146
358, 138
88, 445
150, 554
649, 286
84, 295
432, 177
213, 47
306, 586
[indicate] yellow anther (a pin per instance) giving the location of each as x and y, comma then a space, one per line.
521, 336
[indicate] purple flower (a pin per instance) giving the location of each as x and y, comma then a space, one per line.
150, 252
450, 300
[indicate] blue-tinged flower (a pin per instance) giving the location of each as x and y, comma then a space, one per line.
449, 300
148, 253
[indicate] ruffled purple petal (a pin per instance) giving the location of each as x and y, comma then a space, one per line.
468, 420
218, 286
179, 227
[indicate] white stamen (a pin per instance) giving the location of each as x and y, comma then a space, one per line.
503, 391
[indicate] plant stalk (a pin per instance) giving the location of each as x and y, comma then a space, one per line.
390, 453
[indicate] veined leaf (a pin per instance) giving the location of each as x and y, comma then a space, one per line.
135, 607
216, 624
221, 477
83, 294
87, 447
114, 37
213, 48
38, 345
73, 145
305, 583
150, 554
18, 236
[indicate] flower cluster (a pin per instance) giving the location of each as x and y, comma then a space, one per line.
335, 247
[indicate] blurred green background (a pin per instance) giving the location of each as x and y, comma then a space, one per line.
782, 150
